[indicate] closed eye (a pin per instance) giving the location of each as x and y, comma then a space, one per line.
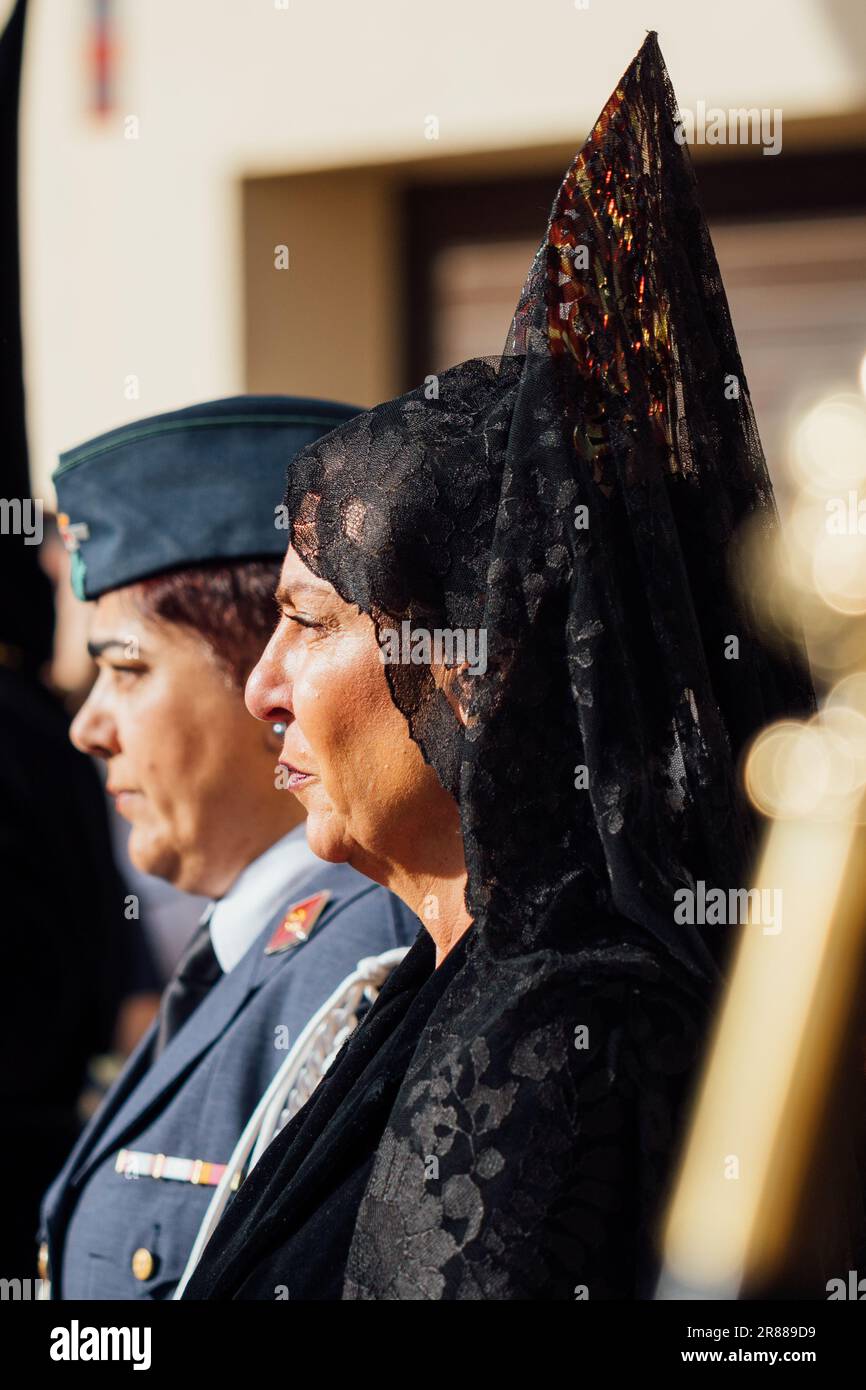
118, 670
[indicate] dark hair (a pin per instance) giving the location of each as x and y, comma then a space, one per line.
230, 605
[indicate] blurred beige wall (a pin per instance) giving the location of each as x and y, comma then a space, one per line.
323, 324
133, 273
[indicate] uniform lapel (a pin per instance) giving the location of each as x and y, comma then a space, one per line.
209, 1021
346, 1114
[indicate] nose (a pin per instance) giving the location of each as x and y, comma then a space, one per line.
93, 730
268, 691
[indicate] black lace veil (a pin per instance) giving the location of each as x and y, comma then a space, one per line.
572, 506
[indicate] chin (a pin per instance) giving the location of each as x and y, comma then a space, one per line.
155, 857
325, 838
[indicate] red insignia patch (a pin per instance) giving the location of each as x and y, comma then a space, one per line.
298, 923
72, 532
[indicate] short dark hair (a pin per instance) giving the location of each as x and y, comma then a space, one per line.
229, 604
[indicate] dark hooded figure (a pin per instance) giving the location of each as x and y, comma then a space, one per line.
517, 680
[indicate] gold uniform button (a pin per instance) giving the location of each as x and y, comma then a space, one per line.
143, 1264
42, 1261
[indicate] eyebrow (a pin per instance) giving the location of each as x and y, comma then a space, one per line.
284, 596
96, 649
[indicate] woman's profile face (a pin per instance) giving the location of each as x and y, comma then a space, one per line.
187, 767
370, 798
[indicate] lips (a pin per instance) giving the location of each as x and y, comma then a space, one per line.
296, 775
122, 797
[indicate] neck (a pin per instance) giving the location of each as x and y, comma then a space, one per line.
454, 919
426, 867
253, 839
439, 901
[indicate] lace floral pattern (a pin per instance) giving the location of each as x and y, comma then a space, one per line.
527, 1153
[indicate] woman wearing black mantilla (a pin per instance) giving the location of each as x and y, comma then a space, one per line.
503, 1122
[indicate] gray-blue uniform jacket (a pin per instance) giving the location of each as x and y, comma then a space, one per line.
111, 1236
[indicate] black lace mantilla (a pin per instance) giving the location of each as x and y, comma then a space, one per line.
576, 499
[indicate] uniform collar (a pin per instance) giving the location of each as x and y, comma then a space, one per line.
257, 894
